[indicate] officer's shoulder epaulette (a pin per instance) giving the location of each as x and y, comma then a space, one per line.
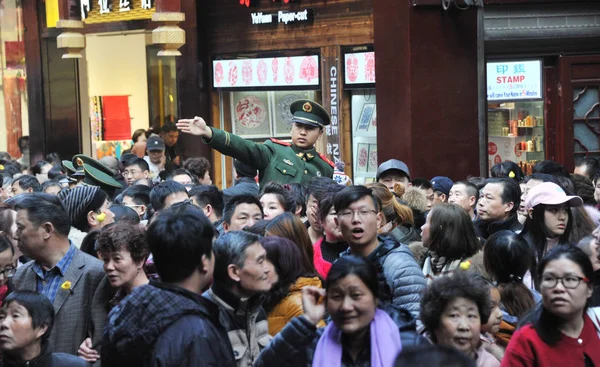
285, 143
323, 157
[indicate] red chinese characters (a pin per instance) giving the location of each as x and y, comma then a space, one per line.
308, 69
352, 68
218, 73
261, 72
247, 72
275, 68
370, 67
233, 73
288, 70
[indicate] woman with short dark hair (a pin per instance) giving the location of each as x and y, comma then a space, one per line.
275, 200
562, 331
123, 248
453, 310
289, 226
450, 236
26, 320
284, 300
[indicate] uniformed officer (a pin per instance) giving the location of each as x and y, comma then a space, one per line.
93, 173
275, 160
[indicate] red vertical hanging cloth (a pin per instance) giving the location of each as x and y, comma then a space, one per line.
117, 120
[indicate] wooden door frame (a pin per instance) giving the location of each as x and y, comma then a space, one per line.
564, 124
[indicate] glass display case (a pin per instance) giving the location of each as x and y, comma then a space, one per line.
516, 133
516, 126
364, 135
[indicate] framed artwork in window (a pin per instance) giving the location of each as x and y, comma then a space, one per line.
366, 116
250, 113
281, 109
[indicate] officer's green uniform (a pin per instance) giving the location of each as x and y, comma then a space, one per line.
277, 160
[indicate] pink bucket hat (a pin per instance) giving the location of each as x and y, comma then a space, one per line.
550, 194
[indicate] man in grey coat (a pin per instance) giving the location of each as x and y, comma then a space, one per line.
74, 282
359, 217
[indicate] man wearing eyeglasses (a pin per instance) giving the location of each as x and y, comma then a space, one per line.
135, 169
359, 217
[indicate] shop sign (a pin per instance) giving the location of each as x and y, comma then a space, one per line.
248, 3
104, 11
298, 71
514, 80
284, 17
332, 130
360, 68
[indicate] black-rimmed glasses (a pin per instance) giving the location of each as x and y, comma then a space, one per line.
569, 282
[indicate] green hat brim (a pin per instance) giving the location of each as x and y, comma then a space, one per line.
92, 162
96, 177
69, 167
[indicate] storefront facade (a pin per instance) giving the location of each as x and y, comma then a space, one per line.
264, 55
543, 81
93, 104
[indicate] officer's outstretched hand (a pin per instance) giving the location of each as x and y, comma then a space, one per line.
197, 126
313, 304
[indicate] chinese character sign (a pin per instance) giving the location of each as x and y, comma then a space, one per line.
124, 5
514, 80
147, 4
104, 6
85, 8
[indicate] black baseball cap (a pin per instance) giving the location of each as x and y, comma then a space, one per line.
392, 164
155, 143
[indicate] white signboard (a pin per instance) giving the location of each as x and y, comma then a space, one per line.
296, 71
514, 80
360, 68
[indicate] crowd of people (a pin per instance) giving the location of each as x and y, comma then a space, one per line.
141, 261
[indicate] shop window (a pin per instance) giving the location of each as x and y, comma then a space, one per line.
260, 115
14, 122
162, 88
515, 113
586, 121
129, 87
364, 135
516, 133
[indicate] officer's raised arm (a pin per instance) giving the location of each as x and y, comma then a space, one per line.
196, 126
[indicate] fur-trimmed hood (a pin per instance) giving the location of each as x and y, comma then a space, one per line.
415, 198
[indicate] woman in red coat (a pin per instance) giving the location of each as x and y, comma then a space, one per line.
562, 331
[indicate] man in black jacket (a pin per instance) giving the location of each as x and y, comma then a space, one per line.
170, 323
497, 207
245, 183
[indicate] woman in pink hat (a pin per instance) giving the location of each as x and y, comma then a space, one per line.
549, 219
